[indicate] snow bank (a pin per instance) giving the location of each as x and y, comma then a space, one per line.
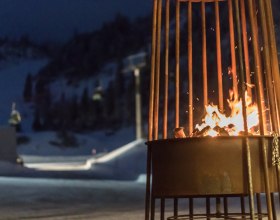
126, 163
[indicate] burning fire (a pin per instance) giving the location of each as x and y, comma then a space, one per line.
216, 123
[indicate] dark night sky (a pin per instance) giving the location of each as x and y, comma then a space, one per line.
58, 19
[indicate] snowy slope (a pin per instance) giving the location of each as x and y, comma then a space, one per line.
127, 162
13, 74
40, 143
61, 85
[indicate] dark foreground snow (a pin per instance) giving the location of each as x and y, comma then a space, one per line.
28, 198
57, 199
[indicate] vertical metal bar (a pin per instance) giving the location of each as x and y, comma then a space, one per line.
268, 75
162, 208
246, 48
177, 58
258, 71
259, 205
225, 207
275, 68
191, 207
266, 178
153, 208
152, 77
244, 114
273, 53
204, 55
220, 79
278, 181
261, 106
151, 111
219, 56
190, 67
273, 206
165, 108
177, 78
218, 206
175, 208
208, 209
242, 204
250, 181
157, 66
148, 183
232, 50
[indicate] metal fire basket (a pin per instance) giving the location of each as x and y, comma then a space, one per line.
194, 44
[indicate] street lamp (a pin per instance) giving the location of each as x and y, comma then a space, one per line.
134, 63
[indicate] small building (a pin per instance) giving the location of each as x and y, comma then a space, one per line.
8, 144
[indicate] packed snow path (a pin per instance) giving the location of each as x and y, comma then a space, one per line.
127, 163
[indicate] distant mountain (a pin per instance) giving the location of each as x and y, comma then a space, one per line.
86, 54
58, 20
91, 65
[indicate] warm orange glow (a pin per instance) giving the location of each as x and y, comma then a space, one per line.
214, 121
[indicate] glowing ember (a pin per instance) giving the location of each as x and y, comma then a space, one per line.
216, 123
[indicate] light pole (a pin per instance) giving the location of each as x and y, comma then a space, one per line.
134, 63
138, 112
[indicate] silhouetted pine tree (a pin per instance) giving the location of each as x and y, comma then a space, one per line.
85, 101
75, 122
27, 91
37, 125
119, 94
129, 105
98, 106
110, 109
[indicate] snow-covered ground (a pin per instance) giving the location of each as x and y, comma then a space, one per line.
57, 199
40, 143
27, 198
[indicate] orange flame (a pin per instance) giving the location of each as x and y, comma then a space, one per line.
233, 124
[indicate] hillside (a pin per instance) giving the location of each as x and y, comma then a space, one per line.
90, 64
85, 54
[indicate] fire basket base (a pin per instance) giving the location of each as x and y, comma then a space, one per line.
209, 166
217, 216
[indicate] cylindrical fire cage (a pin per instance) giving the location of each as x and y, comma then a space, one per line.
195, 44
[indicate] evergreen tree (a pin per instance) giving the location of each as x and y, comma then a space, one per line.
74, 109
119, 93
40, 92
98, 108
129, 104
27, 92
85, 101
120, 79
37, 125
74, 119
110, 104
61, 112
